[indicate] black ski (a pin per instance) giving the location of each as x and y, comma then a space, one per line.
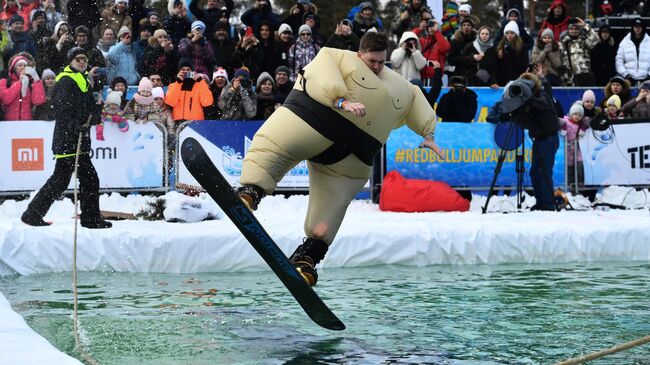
201, 167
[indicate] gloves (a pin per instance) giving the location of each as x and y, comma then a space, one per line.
563, 132
24, 86
117, 119
32, 73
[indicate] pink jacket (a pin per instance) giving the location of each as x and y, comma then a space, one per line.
17, 108
573, 131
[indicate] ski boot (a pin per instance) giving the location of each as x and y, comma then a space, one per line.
251, 195
306, 256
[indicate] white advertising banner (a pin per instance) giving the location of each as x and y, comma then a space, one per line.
131, 159
618, 156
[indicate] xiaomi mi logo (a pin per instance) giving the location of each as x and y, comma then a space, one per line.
27, 154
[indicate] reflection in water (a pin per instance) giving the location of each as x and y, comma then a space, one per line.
510, 314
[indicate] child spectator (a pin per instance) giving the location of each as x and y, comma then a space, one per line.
266, 103
119, 84
302, 52
589, 105
141, 108
112, 113
219, 81
238, 100
46, 111
613, 107
162, 113
21, 89
549, 53
573, 126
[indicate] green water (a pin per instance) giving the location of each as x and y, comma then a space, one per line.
510, 314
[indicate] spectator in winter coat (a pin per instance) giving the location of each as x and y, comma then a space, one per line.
161, 57
139, 46
26, 9
296, 14
579, 40
313, 21
549, 53
269, 50
407, 59
434, 46
603, 56
265, 93
238, 100
462, 37
459, 104
262, 10
177, 23
74, 107
514, 15
223, 47
343, 38
479, 60
513, 59
53, 50
410, 16
142, 108
22, 40
121, 58
638, 107
285, 41
219, 82
248, 54
557, 19
283, 84
196, 49
573, 127
115, 17
83, 12
633, 55
45, 111
211, 14
108, 40
302, 52
365, 20
21, 89
620, 87
188, 95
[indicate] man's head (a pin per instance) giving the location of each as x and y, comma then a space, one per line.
282, 75
513, 15
466, 26
310, 19
16, 23
366, 10
616, 84
81, 35
372, 50
156, 80
221, 31
78, 59
573, 28
154, 18
38, 19
558, 11
265, 30
212, 4
458, 83
124, 35
108, 36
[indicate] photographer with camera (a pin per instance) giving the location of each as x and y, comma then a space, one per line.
407, 59
410, 15
343, 38
459, 104
528, 101
238, 101
188, 95
434, 47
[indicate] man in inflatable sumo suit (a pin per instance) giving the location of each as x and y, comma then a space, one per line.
338, 116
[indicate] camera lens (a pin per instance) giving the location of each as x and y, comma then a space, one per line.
514, 91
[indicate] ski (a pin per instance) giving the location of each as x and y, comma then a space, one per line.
210, 178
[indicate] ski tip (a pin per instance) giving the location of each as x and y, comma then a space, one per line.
337, 326
189, 144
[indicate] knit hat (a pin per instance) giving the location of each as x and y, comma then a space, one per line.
304, 28
511, 10
82, 29
47, 73
197, 24
511, 26
74, 52
113, 97
465, 7
645, 85
242, 72
283, 68
588, 95
618, 80
220, 72
16, 59
366, 5
118, 80
123, 31
466, 20
577, 108
145, 84
547, 32
15, 18
158, 92
36, 13
614, 100
264, 76
284, 27
184, 62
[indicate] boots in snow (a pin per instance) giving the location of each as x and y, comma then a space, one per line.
306, 256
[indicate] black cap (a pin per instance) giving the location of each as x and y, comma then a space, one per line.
637, 22
458, 81
617, 79
283, 68
74, 52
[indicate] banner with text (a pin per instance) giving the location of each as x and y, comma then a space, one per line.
471, 156
124, 160
617, 156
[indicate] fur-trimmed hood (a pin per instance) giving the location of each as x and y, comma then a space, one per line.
170, 6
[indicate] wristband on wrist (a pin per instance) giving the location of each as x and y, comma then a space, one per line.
339, 103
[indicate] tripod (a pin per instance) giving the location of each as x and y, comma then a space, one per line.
509, 136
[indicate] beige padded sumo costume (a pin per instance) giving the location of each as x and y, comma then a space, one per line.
340, 165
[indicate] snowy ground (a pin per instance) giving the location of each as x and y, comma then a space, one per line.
368, 236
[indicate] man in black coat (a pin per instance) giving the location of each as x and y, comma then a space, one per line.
459, 104
343, 38
74, 106
211, 14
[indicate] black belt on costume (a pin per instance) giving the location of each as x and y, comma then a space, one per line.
347, 137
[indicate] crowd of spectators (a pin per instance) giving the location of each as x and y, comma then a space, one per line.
200, 66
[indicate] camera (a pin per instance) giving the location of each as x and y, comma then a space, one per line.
101, 71
516, 95
245, 83
189, 75
514, 91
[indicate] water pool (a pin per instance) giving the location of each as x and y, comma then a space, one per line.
508, 314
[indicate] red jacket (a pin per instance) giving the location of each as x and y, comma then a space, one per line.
556, 25
434, 48
17, 107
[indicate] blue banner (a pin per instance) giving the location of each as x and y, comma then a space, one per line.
471, 156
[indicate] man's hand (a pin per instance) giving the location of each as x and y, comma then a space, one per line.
358, 109
180, 75
432, 145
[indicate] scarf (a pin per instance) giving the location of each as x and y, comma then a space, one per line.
481, 46
146, 100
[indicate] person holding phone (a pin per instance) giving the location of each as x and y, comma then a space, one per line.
434, 47
343, 37
238, 101
188, 95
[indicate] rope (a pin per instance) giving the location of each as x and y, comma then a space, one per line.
609, 351
75, 297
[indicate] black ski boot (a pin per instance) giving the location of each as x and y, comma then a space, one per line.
251, 195
306, 256
33, 220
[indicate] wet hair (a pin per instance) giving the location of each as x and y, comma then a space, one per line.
373, 42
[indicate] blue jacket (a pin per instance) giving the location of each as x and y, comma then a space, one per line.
122, 63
